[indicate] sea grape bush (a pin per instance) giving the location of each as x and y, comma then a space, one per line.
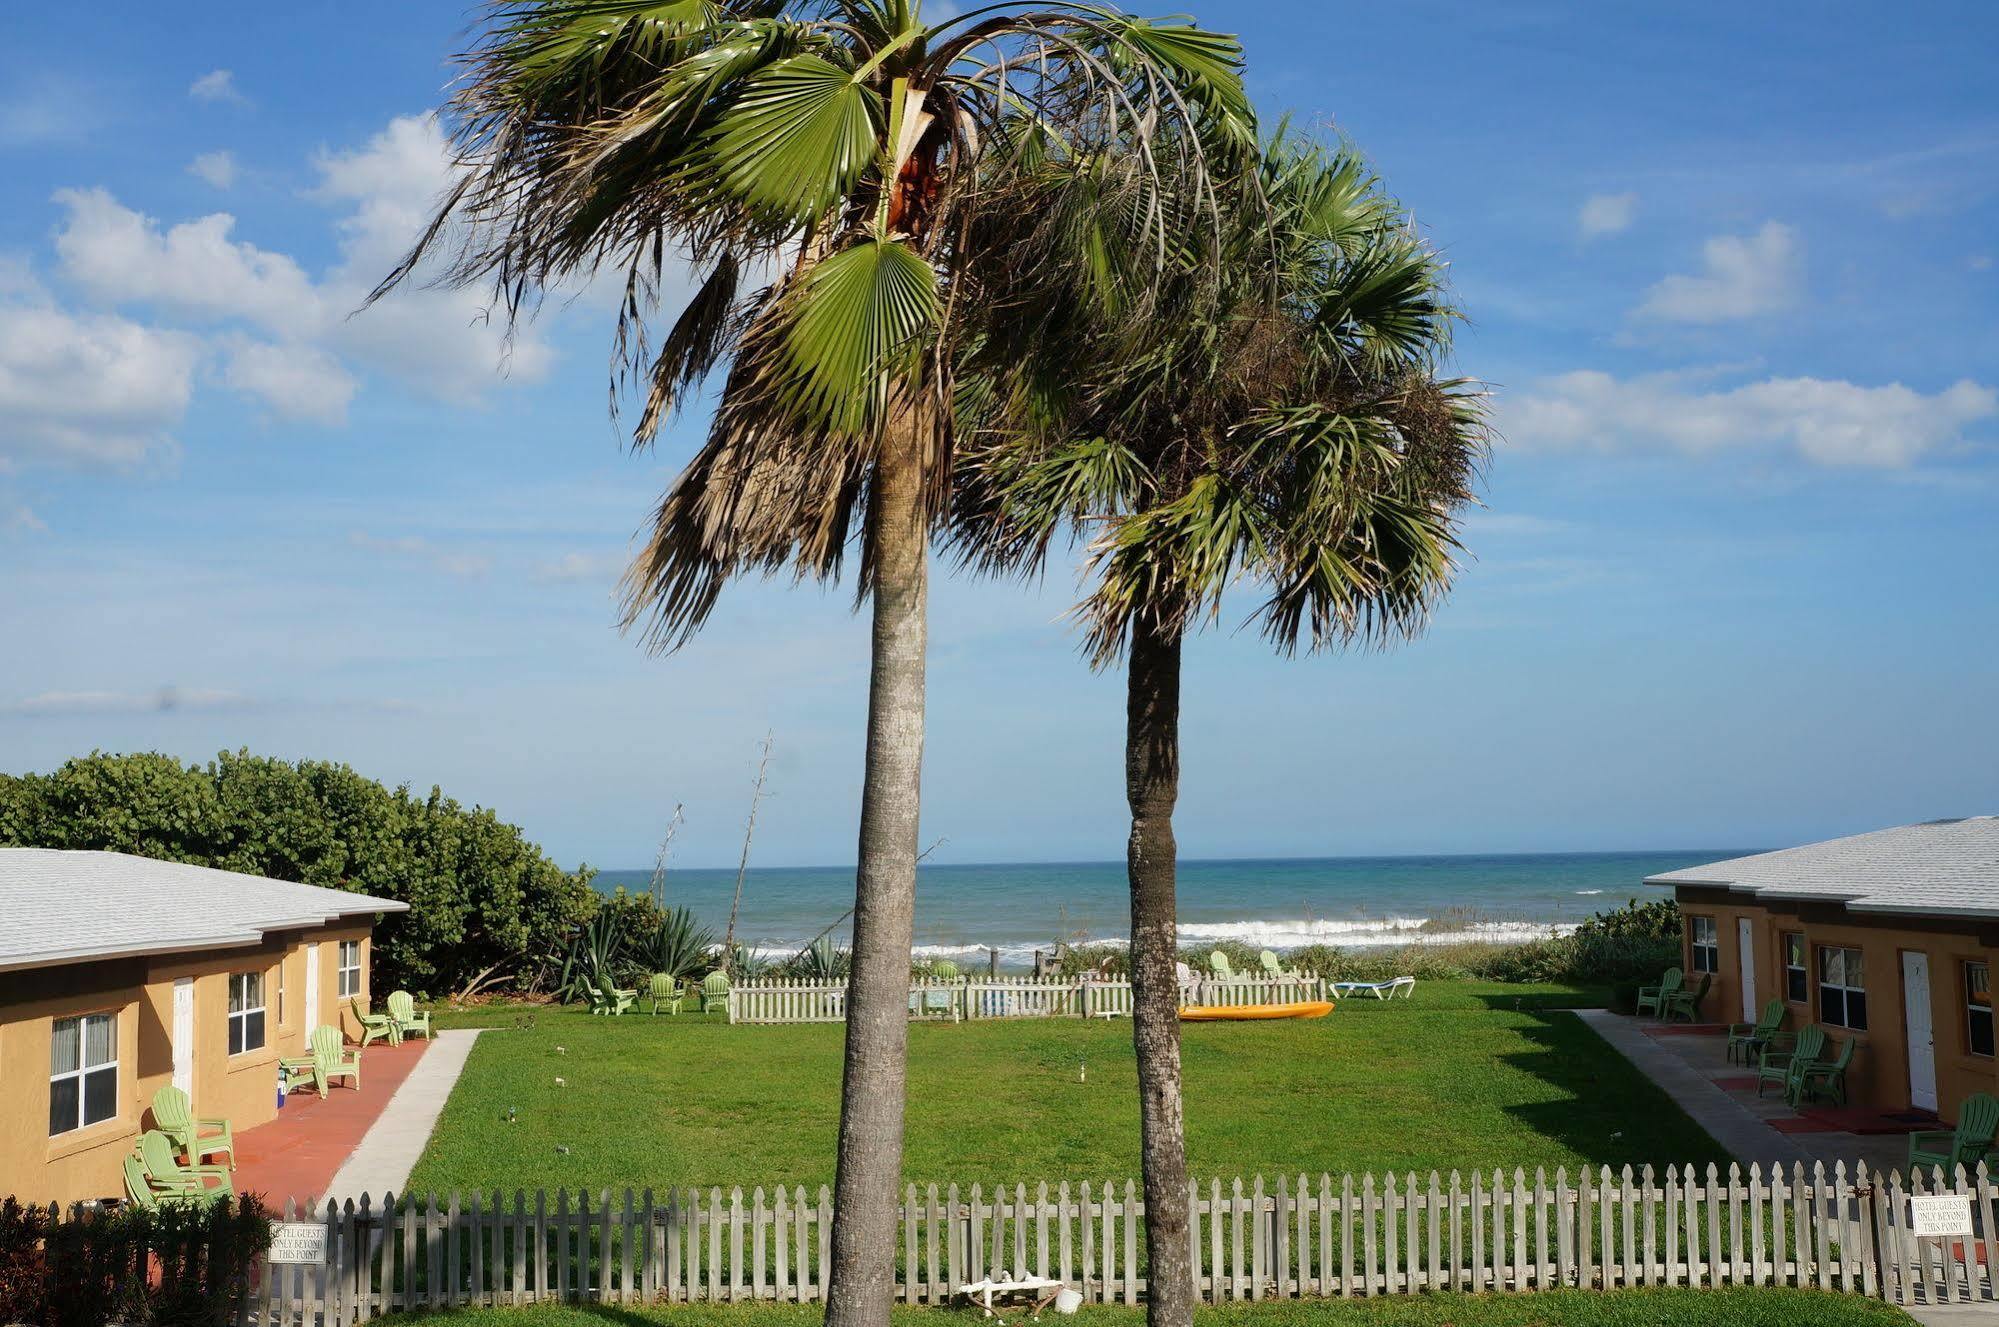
486, 905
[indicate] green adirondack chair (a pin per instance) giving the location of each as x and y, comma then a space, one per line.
608, 999
165, 1169
330, 1059
1652, 999
1747, 1040
144, 1192
664, 990
944, 970
1778, 1066
402, 1008
375, 1026
1684, 1003
1823, 1078
713, 992
173, 1115
1271, 966
1972, 1141
1218, 964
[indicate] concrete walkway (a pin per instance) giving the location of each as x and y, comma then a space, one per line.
1734, 1125
382, 1161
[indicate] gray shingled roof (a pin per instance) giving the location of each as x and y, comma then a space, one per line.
1945, 867
73, 907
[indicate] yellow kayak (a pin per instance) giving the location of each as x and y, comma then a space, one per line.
1214, 1013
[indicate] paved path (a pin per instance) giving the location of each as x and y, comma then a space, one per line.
1954, 1315
382, 1161
294, 1155
1737, 1128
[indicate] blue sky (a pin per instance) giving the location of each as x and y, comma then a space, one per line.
1732, 270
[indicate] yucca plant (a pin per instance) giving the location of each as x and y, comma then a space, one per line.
822, 166
1283, 426
592, 956
679, 946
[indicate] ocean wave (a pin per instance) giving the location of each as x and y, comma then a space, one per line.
1585, 893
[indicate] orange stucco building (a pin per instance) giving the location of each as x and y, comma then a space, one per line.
1888, 938
120, 974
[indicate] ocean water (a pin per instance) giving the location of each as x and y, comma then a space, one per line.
1280, 904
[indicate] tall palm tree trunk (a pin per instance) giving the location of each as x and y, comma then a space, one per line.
872, 1086
1152, 785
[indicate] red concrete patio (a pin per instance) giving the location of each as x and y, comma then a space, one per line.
295, 1155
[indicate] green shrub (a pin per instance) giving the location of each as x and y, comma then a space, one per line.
175, 1267
487, 907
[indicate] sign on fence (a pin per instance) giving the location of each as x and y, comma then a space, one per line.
298, 1242
1944, 1214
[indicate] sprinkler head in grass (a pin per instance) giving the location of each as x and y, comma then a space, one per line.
513, 1116
561, 1150
561, 1081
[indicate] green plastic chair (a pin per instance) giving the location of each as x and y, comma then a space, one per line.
1971, 1142
1687, 1004
1823, 1078
1778, 1066
1652, 999
173, 1115
1270, 964
375, 1026
402, 1008
165, 1169
944, 970
1747, 1040
714, 992
608, 999
664, 991
330, 1059
1218, 964
148, 1194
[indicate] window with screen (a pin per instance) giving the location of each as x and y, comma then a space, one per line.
246, 1012
1977, 1009
83, 1071
350, 968
1706, 945
1797, 977
1842, 988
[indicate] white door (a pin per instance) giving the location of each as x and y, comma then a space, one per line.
311, 987
183, 1039
1745, 960
1922, 1034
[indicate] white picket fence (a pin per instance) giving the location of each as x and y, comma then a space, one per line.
781, 1001
1288, 1239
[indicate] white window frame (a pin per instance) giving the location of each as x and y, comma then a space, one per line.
1847, 990
84, 1070
1699, 948
239, 1041
348, 980
1975, 1008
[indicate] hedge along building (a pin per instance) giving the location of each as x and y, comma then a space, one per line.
119, 975
1888, 938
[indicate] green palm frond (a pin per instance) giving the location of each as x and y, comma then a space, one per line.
796, 138
853, 318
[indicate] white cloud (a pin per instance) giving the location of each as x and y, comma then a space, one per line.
89, 388
419, 549
1827, 421
19, 518
124, 257
1979, 262
1741, 277
1607, 214
439, 342
162, 701
573, 567
296, 381
215, 168
216, 85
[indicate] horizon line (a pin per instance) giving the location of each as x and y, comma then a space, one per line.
1226, 861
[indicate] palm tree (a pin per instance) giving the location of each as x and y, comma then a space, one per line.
823, 167
1284, 427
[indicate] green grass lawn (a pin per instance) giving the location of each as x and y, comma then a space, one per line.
1559, 1308
1464, 1076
